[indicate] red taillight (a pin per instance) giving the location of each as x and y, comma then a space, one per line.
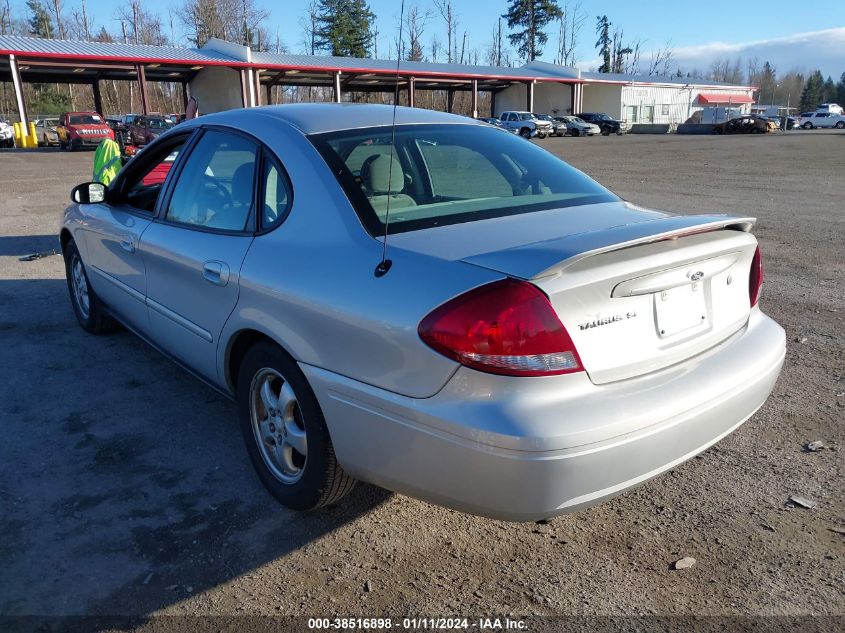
755, 279
505, 327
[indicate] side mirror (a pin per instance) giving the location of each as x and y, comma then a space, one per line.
88, 193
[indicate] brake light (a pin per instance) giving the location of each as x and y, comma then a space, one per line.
755, 279
506, 327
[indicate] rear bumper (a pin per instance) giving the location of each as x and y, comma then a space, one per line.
522, 451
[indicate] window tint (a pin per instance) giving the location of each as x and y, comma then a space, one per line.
143, 186
215, 188
459, 172
277, 196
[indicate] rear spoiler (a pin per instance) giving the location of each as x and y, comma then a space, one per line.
548, 257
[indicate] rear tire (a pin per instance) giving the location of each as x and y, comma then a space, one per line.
605, 130
807, 126
89, 310
285, 432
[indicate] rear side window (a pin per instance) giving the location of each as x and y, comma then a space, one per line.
277, 195
216, 187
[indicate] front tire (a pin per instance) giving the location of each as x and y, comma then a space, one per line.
525, 133
807, 126
840, 125
89, 310
285, 432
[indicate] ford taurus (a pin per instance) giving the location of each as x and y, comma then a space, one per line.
430, 306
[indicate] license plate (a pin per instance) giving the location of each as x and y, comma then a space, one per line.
680, 309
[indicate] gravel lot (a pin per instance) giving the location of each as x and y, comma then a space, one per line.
125, 488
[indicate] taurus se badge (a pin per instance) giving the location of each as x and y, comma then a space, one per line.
607, 320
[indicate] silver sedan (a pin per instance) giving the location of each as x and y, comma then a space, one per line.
436, 308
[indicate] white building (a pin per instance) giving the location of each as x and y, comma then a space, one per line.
635, 99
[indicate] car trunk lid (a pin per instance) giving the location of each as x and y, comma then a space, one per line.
640, 297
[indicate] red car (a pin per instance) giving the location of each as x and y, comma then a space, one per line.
82, 129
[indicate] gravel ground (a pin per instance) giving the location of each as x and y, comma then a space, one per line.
125, 488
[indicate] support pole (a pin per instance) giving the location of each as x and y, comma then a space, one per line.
185, 95
493, 103
475, 98
337, 87
98, 97
18, 87
529, 105
257, 77
269, 90
142, 89
450, 99
245, 83
411, 88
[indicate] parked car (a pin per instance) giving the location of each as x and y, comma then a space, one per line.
558, 126
145, 129
576, 126
526, 124
497, 123
531, 344
45, 131
7, 134
606, 124
833, 108
746, 124
82, 129
789, 122
813, 120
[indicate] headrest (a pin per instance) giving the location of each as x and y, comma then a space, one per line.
377, 176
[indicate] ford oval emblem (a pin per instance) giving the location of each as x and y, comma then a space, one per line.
697, 275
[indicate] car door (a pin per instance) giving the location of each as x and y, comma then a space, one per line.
113, 230
194, 249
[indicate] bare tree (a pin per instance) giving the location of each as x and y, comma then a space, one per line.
231, 20
661, 60
444, 7
571, 22
415, 23
59, 17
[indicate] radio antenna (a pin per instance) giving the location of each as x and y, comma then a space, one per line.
385, 264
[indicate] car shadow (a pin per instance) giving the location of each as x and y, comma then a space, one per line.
124, 484
21, 245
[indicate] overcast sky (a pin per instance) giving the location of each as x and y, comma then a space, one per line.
790, 35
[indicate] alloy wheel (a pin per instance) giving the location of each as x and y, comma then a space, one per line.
277, 425
80, 287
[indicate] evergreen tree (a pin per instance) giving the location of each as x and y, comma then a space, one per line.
344, 27
767, 83
813, 92
40, 22
604, 42
530, 16
829, 91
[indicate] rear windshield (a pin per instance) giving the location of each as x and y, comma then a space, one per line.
434, 175
84, 119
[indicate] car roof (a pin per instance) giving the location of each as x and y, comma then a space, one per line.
317, 118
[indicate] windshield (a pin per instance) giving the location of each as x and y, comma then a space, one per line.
544, 117
448, 174
158, 124
525, 116
575, 119
84, 119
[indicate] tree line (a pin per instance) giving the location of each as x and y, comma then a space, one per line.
431, 30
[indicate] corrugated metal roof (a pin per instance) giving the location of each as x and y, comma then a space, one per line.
385, 66
653, 79
113, 51
107, 50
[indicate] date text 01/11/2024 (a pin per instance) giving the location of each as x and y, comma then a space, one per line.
422, 623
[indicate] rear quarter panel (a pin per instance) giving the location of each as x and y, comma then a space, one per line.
310, 285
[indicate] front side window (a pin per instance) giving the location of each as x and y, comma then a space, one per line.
144, 183
436, 175
216, 187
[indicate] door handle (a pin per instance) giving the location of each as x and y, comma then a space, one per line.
215, 272
127, 244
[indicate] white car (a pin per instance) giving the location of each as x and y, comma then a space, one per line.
579, 127
527, 124
813, 120
7, 135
